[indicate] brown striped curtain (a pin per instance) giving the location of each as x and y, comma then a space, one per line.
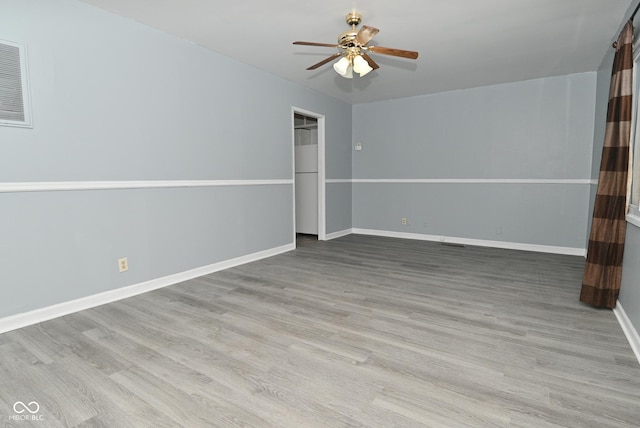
603, 270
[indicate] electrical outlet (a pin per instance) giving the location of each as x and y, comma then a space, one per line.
123, 264
404, 220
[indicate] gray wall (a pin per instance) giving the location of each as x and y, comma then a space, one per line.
114, 100
537, 129
600, 123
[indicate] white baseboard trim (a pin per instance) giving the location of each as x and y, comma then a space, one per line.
338, 234
50, 312
571, 251
629, 330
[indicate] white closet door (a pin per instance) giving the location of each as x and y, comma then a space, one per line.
307, 203
306, 161
307, 158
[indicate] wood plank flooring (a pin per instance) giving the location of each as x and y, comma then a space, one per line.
358, 331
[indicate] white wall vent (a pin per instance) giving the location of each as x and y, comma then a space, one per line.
14, 90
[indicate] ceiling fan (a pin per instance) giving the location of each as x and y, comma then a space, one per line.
353, 47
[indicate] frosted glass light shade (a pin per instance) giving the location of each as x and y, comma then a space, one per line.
361, 66
341, 67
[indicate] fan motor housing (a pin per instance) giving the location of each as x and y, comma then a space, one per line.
347, 38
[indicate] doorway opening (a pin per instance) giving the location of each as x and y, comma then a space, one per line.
309, 176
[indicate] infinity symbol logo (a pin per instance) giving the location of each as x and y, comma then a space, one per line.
28, 407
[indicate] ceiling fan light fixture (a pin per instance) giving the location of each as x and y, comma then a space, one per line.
355, 48
361, 66
343, 67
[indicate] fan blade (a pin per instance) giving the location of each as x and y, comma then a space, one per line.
371, 62
366, 34
393, 52
324, 61
327, 45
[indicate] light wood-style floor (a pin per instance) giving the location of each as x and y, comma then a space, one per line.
359, 331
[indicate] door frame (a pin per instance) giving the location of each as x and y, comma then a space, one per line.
322, 218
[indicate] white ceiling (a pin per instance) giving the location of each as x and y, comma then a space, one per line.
462, 43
